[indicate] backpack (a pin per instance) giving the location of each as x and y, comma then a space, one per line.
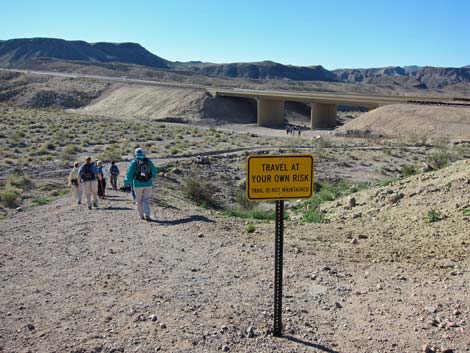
143, 172
114, 170
86, 173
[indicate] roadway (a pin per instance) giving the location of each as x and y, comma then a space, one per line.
295, 96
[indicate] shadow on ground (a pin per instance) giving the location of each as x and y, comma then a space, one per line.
193, 218
310, 344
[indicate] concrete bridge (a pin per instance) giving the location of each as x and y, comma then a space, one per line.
323, 105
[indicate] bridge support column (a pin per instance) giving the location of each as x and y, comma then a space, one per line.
270, 112
323, 116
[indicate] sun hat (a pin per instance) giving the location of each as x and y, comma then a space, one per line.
139, 153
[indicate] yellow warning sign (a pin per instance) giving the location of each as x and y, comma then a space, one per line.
279, 177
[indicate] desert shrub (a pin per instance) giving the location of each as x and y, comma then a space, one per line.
72, 149
111, 153
9, 198
387, 181
466, 212
313, 215
19, 180
438, 160
69, 152
433, 215
409, 169
250, 228
199, 190
310, 209
40, 201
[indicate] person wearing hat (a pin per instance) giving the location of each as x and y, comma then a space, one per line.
140, 175
88, 178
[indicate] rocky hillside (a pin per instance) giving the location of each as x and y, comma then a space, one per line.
15, 52
416, 76
39, 91
263, 70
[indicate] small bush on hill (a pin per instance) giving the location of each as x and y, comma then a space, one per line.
409, 170
40, 201
199, 190
9, 198
433, 215
438, 160
310, 209
250, 228
19, 180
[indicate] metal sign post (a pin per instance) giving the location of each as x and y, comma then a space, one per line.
278, 254
279, 178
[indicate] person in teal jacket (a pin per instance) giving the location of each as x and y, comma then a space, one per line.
140, 174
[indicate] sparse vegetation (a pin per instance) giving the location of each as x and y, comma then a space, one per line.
9, 198
250, 228
253, 213
40, 201
310, 209
432, 216
438, 160
409, 170
199, 190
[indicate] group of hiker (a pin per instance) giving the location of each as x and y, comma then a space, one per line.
293, 129
90, 178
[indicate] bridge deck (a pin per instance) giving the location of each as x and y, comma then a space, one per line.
328, 98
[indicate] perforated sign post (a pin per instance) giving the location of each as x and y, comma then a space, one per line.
279, 178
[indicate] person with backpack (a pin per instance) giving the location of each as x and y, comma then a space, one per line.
113, 174
88, 178
140, 175
101, 180
74, 184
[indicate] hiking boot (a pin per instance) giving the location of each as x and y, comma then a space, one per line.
89, 207
95, 204
147, 218
79, 202
142, 217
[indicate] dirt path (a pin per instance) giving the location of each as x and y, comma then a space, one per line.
74, 280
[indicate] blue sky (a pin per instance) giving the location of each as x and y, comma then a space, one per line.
332, 33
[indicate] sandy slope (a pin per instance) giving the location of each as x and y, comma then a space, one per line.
146, 102
407, 120
74, 280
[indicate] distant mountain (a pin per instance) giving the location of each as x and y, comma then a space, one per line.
262, 70
15, 52
359, 75
412, 68
21, 52
412, 76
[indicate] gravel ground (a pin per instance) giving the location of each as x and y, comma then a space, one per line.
74, 280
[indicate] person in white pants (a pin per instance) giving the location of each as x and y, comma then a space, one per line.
88, 178
73, 183
140, 174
